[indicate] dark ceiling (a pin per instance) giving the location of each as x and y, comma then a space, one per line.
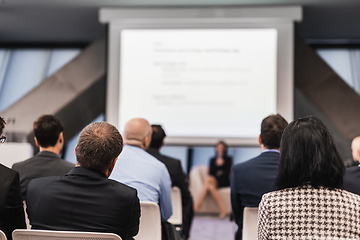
76, 21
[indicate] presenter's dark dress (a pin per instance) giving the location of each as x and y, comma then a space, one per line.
83, 200
221, 173
11, 206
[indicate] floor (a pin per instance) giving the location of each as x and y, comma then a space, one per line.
212, 228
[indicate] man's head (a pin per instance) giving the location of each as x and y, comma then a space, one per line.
98, 147
272, 128
48, 132
355, 148
157, 137
2, 126
137, 132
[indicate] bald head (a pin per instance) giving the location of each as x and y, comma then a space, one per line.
137, 132
355, 147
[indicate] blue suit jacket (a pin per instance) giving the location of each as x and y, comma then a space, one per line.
352, 180
250, 180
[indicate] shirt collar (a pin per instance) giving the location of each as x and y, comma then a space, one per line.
271, 150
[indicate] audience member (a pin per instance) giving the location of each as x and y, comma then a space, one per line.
140, 170
251, 179
352, 175
11, 205
309, 202
177, 176
84, 199
49, 138
219, 176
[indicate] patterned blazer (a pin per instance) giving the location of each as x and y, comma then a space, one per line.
309, 213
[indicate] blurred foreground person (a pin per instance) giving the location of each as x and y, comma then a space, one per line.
310, 201
11, 205
85, 199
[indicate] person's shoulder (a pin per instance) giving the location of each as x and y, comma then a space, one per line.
5, 171
121, 188
23, 164
353, 169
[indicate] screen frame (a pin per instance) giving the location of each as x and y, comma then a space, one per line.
285, 63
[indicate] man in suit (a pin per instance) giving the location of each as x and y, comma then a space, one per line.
352, 175
11, 206
85, 199
253, 178
140, 170
49, 138
177, 176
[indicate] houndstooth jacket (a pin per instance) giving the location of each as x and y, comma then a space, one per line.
309, 213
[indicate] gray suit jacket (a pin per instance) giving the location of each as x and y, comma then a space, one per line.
43, 164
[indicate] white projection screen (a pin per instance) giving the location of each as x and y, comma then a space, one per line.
202, 79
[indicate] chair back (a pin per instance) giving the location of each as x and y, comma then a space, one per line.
176, 217
27, 234
150, 222
2, 235
27, 221
250, 220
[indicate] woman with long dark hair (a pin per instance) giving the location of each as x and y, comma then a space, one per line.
310, 201
219, 176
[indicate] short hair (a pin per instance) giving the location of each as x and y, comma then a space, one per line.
308, 156
47, 129
157, 137
2, 125
272, 128
98, 145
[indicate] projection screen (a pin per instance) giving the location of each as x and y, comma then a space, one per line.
202, 79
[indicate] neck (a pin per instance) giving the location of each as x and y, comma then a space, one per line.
263, 148
134, 143
53, 149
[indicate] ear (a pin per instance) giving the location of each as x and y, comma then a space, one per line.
36, 142
146, 142
61, 138
260, 142
111, 168
75, 149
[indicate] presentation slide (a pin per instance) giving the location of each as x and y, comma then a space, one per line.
199, 82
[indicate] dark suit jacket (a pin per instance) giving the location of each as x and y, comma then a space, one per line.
178, 179
83, 200
249, 181
43, 164
352, 180
11, 206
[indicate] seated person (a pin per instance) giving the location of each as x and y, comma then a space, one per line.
352, 175
140, 170
253, 178
11, 205
309, 202
177, 176
48, 132
219, 176
85, 199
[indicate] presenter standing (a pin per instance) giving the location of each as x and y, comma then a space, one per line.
219, 176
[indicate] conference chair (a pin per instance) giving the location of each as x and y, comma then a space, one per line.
150, 222
250, 219
27, 234
176, 217
27, 221
2, 235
